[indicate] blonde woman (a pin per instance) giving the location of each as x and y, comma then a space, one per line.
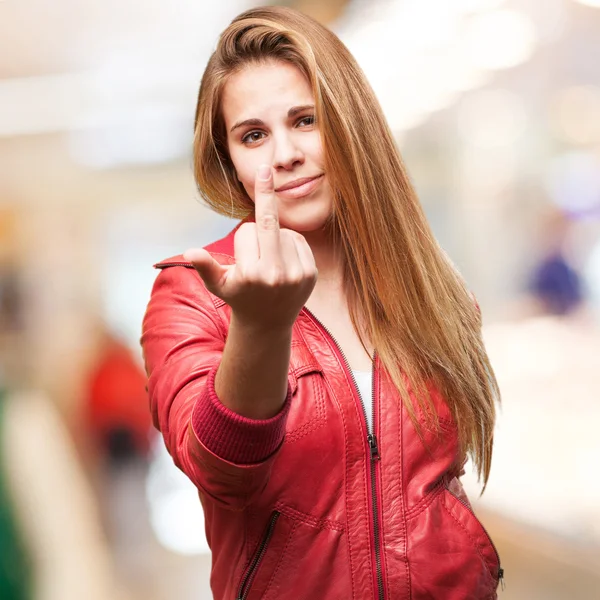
319, 373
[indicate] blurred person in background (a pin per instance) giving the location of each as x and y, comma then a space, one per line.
117, 403
51, 542
555, 285
319, 373
15, 562
52, 546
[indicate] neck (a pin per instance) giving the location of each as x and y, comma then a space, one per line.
327, 258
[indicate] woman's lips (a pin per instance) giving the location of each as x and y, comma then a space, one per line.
301, 190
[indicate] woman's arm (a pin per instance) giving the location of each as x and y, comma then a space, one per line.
219, 397
273, 276
225, 454
252, 377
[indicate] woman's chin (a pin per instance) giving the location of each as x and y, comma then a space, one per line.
305, 219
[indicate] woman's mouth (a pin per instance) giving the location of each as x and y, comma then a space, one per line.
300, 187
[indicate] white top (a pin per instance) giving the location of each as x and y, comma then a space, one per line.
364, 381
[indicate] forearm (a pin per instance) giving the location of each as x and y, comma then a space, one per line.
252, 376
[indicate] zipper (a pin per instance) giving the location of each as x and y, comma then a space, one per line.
500, 569
375, 456
174, 264
248, 577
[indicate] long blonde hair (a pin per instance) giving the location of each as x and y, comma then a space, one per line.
410, 301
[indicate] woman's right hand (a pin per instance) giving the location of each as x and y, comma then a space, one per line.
274, 271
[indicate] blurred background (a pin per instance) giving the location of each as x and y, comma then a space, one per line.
496, 108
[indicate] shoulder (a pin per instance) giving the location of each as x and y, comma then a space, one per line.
180, 304
178, 287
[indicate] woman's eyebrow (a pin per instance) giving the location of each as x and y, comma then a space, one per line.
297, 109
258, 123
254, 122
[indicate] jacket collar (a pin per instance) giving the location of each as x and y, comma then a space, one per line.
224, 246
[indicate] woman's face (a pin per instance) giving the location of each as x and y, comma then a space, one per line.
269, 115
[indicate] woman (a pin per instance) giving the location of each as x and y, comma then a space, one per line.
319, 373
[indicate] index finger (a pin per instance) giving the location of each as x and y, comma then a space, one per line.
267, 215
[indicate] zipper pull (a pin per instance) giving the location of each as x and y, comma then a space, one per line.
501, 578
373, 446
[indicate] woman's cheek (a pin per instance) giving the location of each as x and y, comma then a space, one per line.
249, 190
243, 174
247, 177
246, 163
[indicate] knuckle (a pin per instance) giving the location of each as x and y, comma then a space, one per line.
244, 273
275, 276
298, 236
292, 235
268, 221
296, 278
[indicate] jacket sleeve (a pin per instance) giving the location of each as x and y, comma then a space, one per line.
226, 455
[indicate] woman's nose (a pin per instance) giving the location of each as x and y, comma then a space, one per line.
286, 153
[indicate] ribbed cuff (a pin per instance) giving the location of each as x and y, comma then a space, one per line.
231, 436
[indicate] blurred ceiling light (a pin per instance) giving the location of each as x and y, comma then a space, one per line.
138, 52
409, 100
477, 5
44, 104
178, 523
98, 101
399, 32
142, 115
176, 516
488, 172
575, 114
499, 39
452, 72
551, 18
592, 3
491, 118
432, 75
423, 24
149, 135
573, 182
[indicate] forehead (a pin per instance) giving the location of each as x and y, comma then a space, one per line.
260, 90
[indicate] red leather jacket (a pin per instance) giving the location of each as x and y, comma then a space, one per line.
309, 504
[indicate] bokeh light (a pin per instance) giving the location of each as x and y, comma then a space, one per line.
592, 3
575, 114
499, 39
492, 118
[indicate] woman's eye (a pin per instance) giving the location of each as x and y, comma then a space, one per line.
307, 121
252, 137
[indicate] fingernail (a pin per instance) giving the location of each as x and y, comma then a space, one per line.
264, 172
188, 255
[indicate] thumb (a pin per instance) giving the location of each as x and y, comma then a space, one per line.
208, 268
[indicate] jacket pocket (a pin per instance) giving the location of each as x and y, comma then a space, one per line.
257, 558
482, 542
449, 553
297, 556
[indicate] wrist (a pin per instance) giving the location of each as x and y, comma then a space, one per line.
254, 329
